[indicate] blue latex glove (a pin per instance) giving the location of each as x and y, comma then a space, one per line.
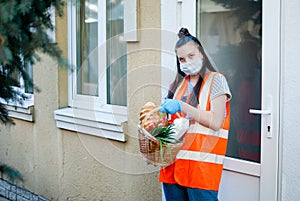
170, 106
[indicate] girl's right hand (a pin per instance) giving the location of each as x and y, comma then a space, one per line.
170, 106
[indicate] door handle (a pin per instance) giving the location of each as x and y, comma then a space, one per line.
266, 116
263, 112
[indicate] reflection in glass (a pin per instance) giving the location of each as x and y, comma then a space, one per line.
28, 88
231, 33
116, 53
87, 42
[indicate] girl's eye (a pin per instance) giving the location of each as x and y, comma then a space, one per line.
191, 55
181, 59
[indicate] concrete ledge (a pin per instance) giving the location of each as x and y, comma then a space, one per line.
101, 124
23, 112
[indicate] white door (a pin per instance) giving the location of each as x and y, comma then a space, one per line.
243, 40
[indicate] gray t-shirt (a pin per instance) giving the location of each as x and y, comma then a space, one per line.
220, 87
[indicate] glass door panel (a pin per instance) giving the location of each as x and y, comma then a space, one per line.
232, 36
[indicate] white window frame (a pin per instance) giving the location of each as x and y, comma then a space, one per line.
89, 114
80, 101
23, 111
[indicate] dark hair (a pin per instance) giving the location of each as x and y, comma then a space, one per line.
184, 38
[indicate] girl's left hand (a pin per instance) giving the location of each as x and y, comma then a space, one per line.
170, 106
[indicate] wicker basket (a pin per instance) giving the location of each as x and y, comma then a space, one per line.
155, 153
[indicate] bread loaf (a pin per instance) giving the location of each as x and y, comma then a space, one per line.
147, 119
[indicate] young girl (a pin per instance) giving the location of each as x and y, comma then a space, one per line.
202, 95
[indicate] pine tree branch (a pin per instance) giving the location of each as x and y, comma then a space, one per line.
23, 33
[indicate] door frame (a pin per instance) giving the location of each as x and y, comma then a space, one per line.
172, 18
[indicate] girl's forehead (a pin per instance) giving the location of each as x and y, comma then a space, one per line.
187, 48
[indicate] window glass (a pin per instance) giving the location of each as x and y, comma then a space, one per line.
87, 43
24, 86
27, 87
231, 33
90, 49
116, 53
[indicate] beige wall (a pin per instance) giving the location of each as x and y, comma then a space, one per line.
64, 165
33, 148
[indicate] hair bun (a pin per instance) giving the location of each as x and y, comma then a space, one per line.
183, 32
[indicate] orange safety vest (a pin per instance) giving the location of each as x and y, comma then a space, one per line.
199, 163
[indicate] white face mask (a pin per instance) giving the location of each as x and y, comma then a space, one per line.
192, 68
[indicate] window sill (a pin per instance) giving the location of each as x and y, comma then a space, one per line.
23, 112
97, 123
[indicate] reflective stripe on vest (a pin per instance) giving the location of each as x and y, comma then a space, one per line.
197, 128
200, 156
205, 92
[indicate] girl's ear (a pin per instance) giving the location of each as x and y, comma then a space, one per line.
201, 55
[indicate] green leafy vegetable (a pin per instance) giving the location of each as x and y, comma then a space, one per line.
164, 134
